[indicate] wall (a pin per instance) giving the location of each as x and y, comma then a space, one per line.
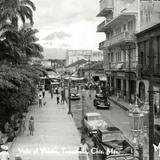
130, 5
150, 13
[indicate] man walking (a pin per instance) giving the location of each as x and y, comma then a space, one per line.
43, 91
40, 101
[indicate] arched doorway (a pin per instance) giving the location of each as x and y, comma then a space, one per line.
142, 91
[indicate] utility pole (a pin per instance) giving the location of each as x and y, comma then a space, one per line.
151, 110
82, 114
129, 76
69, 97
89, 75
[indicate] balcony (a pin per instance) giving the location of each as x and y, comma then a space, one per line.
106, 7
121, 38
101, 27
111, 22
144, 70
103, 45
124, 66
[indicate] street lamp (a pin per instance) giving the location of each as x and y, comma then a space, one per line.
69, 96
145, 111
136, 121
83, 95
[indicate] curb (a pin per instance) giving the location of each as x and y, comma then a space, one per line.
118, 104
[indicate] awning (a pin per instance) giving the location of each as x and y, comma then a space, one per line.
102, 78
123, 17
77, 78
119, 66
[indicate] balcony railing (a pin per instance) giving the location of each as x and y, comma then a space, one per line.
144, 70
124, 36
123, 66
101, 26
103, 45
105, 4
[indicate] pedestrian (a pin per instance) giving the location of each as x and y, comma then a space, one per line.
51, 91
83, 150
31, 125
62, 96
23, 124
58, 96
4, 154
40, 101
43, 91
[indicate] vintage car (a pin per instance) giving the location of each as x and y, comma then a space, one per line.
111, 143
100, 102
75, 96
93, 122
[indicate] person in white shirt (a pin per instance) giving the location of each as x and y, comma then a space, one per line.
83, 150
4, 155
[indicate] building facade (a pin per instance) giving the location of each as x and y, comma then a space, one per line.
123, 19
149, 49
75, 55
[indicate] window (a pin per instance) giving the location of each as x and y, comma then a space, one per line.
112, 59
124, 27
118, 57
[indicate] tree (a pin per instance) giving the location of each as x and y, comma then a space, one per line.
14, 10
20, 45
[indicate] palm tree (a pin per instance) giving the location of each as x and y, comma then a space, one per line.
28, 42
19, 46
13, 10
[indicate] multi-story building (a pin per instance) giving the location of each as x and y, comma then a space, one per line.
75, 55
123, 19
149, 49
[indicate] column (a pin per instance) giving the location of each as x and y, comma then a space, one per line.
127, 92
122, 88
115, 86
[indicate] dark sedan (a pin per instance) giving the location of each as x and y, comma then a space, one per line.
100, 102
111, 143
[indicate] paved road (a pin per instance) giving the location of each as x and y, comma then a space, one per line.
114, 115
55, 135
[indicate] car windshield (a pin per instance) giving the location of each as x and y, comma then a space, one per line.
111, 136
91, 118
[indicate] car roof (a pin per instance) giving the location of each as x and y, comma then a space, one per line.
93, 114
111, 129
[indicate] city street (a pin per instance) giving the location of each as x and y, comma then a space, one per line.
55, 134
115, 115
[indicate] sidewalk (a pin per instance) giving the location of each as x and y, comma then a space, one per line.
55, 134
126, 107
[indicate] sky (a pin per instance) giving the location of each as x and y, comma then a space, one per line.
68, 24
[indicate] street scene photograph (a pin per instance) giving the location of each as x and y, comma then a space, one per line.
80, 80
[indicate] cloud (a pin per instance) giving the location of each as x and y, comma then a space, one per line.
70, 22
57, 35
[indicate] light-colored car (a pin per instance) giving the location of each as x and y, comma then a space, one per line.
93, 122
75, 96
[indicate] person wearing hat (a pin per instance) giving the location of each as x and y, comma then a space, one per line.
4, 154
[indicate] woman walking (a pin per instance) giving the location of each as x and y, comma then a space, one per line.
31, 125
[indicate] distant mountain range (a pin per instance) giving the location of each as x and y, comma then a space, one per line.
54, 53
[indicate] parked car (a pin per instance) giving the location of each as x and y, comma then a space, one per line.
93, 122
157, 134
100, 102
75, 96
111, 143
